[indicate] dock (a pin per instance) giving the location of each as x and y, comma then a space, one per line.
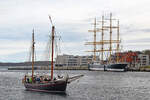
55, 68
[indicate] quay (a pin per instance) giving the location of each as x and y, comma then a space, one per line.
55, 68
131, 69
140, 69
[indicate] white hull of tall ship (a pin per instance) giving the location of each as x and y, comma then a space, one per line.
96, 67
115, 70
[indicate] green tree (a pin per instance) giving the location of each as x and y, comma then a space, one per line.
146, 52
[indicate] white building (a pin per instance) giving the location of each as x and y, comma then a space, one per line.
71, 60
143, 60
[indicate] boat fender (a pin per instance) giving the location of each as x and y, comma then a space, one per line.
23, 81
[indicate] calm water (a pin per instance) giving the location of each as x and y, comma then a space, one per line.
93, 86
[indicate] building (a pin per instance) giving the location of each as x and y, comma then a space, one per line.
134, 59
71, 60
143, 60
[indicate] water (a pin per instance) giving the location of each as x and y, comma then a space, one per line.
93, 86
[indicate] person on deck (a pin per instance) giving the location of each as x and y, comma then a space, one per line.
27, 79
30, 80
38, 79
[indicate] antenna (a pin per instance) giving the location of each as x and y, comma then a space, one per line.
50, 20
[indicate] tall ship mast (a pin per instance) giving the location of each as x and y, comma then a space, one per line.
97, 62
115, 64
95, 30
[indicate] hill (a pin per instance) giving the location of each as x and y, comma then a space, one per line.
36, 63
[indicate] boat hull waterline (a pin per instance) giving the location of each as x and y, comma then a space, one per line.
58, 85
96, 67
109, 67
116, 67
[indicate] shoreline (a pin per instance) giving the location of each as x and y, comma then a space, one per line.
76, 68
56, 68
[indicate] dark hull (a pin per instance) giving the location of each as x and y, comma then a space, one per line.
47, 87
116, 67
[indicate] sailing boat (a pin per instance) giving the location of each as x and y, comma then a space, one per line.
45, 83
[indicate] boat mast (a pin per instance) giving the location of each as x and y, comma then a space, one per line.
53, 30
33, 54
110, 45
118, 42
101, 42
94, 41
52, 56
102, 47
94, 58
110, 41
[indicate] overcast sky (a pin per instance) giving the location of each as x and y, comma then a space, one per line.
72, 19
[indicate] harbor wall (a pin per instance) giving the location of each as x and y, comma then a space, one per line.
55, 68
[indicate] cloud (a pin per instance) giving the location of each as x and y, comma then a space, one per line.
72, 19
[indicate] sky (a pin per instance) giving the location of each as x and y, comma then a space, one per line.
72, 19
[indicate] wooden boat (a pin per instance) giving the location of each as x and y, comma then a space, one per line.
45, 83
57, 85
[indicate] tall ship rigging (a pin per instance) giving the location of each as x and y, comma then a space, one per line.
96, 64
107, 46
115, 64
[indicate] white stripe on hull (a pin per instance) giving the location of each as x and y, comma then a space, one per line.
97, 69
110, 69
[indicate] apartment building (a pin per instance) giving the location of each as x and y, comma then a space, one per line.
143, 60
71, 60
133, 59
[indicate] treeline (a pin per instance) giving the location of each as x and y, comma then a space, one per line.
36, 63
147, 52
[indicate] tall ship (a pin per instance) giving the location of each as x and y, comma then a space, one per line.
109, 45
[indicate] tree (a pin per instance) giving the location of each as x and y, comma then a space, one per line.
146, 52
